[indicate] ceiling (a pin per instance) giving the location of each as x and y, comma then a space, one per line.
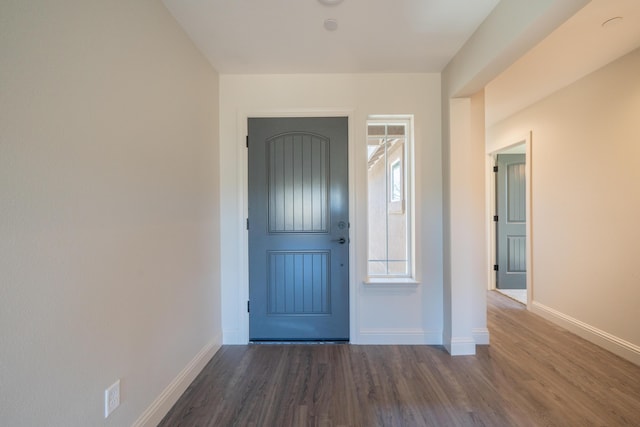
287, 36
379, 36
578, 47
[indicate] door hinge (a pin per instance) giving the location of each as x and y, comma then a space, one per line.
248, 306
247, 223
247, 141
495, 267
495, 169
495, 218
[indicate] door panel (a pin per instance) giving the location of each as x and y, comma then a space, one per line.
298, 282
297, 183
511, 227
298, 214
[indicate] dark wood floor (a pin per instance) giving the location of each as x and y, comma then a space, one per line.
532, 374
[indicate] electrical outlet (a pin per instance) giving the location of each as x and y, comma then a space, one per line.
111, 398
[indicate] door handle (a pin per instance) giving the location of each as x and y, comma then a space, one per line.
341, 240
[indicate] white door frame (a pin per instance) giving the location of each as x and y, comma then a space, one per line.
491, 207
243, 157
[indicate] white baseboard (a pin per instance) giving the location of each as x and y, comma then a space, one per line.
461, 346
597, 336
398, 337
480, 335
170, 395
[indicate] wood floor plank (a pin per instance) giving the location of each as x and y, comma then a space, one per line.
534, 373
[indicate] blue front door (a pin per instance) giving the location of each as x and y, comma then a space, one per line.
298, 229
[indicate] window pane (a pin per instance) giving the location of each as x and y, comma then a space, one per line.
389, 243
377, 130
395, 130
396, 182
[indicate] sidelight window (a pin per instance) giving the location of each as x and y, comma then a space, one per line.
389, 215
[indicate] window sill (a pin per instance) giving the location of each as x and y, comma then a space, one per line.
391, 281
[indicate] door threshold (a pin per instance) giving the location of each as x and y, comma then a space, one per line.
298, 342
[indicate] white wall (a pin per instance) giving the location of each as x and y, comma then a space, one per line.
479, 264
382, 314
586, 199
108, 215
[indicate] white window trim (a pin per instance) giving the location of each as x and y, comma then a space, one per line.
395, 281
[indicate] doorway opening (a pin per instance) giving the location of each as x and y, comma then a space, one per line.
510, 204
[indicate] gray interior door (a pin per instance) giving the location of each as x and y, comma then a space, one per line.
511, 226
298, 229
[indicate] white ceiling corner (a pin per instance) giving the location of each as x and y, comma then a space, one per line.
576, 48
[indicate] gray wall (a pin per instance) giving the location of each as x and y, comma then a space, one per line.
108, 214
